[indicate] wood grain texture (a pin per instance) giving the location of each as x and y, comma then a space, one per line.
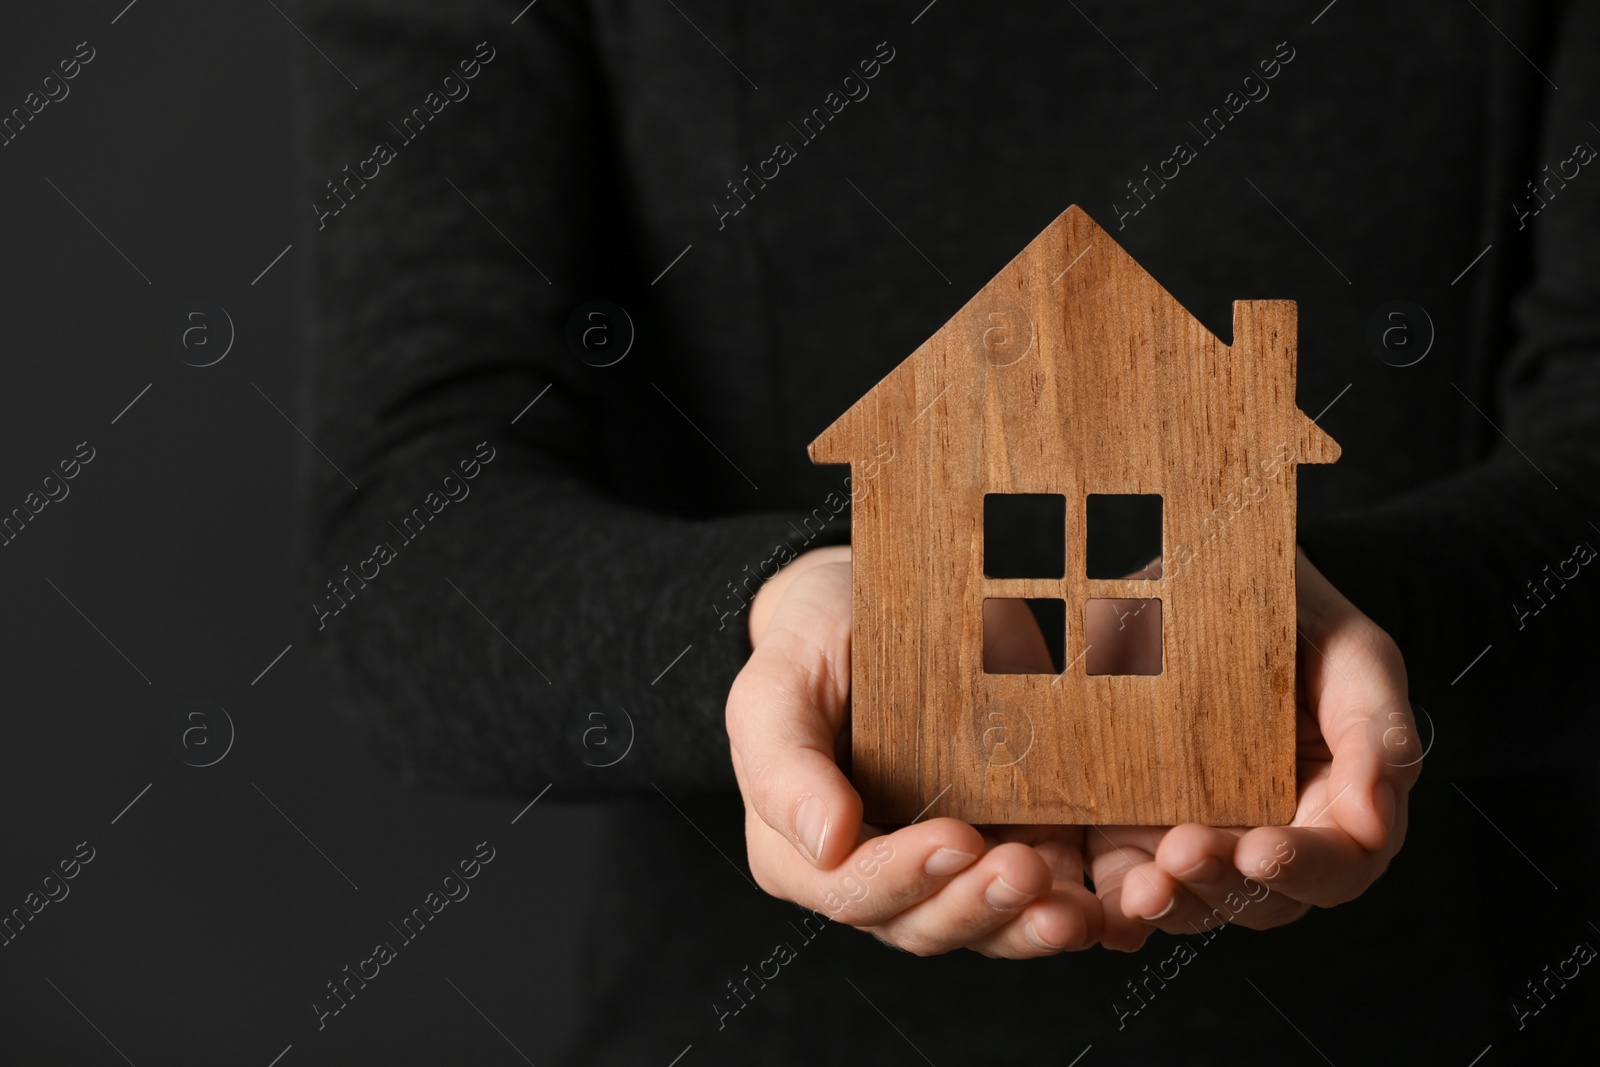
1074, 372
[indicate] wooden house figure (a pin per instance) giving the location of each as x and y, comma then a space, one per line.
1073, 374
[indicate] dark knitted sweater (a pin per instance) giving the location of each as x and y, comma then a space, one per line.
777, 250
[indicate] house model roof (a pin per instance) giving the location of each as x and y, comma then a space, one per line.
1053, 306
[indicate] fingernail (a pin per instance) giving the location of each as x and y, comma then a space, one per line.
1004, 897
811, 827
1383, 800
1163, 913
947, 861
1033, 935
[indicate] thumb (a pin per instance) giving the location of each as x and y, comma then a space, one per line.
785, 711
1355, 678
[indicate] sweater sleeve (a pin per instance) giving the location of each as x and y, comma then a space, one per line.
1491, 561
498, 612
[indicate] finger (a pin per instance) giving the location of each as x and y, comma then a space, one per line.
784, 712
1355, 679
1012, 640
1372, 770
1152, 896
1066, 919
1215, 892
1063, 850
1120, 932
975, 903
1062, 847
881, 878
1127, 636
1198, 855
1320, 865
1111, 862
1065, 860
1188, 884
1236, 901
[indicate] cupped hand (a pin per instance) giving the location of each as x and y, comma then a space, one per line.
1359, 756
930, 887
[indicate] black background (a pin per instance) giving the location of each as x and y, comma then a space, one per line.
206, 924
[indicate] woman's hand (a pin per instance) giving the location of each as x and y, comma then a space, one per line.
927, 888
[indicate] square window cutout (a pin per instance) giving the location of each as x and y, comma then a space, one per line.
1024, 535
1123, 636
1024, 636
1124, 535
